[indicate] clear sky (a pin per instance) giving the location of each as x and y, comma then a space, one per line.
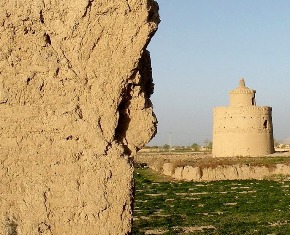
203, 48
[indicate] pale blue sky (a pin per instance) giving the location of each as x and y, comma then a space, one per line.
203, 48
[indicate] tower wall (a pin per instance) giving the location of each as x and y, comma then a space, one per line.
246, 99
242, 131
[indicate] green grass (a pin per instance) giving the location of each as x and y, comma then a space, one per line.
222, 207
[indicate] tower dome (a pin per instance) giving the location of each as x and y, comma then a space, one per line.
242, 96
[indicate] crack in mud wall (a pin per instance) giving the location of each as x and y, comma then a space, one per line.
75, 83
136, 110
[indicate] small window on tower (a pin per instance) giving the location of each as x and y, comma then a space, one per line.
265, 125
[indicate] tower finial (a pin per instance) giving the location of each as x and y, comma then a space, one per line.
242, 82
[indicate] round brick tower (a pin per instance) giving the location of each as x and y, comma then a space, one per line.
242, 129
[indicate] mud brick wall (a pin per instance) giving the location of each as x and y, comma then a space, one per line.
75, 83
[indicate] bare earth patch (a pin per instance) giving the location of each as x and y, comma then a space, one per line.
156, 194
155, 231
230, 204
197, 228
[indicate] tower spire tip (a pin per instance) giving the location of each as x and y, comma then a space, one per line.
242, 82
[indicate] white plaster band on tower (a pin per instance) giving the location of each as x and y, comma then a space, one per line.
242, 129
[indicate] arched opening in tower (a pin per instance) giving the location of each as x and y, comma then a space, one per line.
265, 125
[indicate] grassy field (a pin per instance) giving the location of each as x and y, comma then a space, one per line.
163, 206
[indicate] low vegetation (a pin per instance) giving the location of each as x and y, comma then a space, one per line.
207, 162
164, 206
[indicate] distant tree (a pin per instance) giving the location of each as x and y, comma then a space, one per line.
195, 146
208, 144
166, 146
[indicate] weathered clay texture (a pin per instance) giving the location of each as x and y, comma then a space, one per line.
242, 129
75, 82
226, 172
195, 168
